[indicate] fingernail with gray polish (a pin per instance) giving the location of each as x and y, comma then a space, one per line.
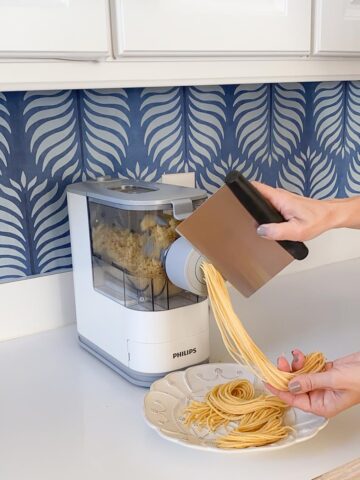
296, 358
295, 387
261, 231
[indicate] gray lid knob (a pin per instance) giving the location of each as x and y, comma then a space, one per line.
104, 178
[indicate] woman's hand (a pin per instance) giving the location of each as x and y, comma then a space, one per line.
326, 393
306, 217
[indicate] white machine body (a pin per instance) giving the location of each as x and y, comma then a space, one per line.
139, 344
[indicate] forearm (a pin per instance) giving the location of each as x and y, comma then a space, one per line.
344, 213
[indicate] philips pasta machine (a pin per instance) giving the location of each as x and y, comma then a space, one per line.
141, 303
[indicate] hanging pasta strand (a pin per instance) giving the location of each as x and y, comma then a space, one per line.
259, 419
239, 343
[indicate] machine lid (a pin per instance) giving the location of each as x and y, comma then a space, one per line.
138, 195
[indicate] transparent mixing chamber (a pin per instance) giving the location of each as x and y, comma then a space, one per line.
128, 250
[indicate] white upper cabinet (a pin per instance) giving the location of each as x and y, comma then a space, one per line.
54, 29
337, 27
211, 27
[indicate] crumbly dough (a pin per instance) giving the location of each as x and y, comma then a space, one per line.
147, 222
137, 253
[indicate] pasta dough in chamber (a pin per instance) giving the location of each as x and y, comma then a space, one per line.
138, 251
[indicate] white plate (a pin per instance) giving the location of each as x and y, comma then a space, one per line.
165, 403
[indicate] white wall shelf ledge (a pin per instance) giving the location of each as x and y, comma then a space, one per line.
49, 75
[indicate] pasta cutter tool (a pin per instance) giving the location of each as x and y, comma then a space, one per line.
223, 229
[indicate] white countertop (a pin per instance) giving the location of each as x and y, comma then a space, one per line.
64, 415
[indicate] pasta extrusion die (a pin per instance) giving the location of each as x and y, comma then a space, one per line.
223, 229
141, 303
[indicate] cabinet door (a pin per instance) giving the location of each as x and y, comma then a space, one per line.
211, 27
337, 27
54, 29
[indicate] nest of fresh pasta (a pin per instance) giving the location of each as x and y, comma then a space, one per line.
257, 419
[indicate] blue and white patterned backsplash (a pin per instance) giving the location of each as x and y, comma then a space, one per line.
302, 137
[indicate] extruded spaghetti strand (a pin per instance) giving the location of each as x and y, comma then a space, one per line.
259, 420
239, 343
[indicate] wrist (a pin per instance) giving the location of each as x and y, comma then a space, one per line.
343, 213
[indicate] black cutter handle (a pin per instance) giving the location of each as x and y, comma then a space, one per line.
262, 210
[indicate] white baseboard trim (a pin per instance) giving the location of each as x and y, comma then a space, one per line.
45, 302
36, 304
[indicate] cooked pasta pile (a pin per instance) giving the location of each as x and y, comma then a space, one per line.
259, 419
239, 343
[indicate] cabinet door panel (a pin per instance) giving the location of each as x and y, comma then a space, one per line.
337, 27
211, 27
54, 28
